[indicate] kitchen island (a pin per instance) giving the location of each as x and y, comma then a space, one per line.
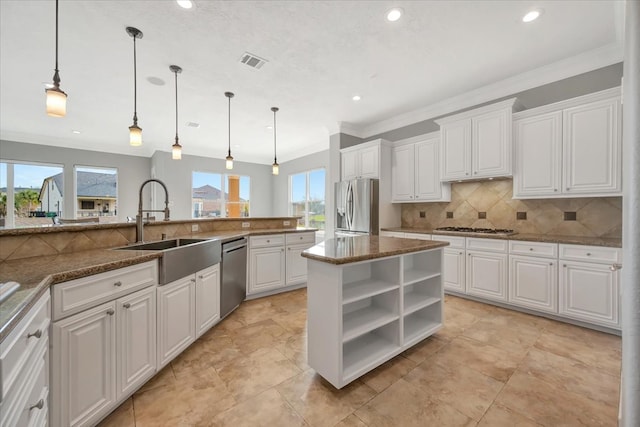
370, 298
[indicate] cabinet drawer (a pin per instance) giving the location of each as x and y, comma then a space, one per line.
296, 238
266, 241
454, 242
490, 245
597, 254
546, 250
80, 294
18, 347
418, 236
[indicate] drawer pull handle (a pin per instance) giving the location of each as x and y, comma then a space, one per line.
268, 241
460, 253
555, 189
111, 312
118, 283
37, 334
530, 249
550, 263
38, 405
564, 265
126, 305
201, 276
193, 280
300, 237
588, 253
615, 267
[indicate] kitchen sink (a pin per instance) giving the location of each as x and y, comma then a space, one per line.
181, 257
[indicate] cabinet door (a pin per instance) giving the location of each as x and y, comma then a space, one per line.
207, 298
349, 161
267, 269
427, 172
84, 366
176, 318
369, 162
296, 264
487, 275
533, 283
455, 150
592, 148
453, 274
538, 148
136, 314
491, 144
402, 173
590, 292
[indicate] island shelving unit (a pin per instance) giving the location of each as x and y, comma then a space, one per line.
370, 298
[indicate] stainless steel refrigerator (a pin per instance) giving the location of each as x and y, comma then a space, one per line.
356, 207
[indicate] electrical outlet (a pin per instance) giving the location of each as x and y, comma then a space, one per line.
285, 223
194, 227
246, 224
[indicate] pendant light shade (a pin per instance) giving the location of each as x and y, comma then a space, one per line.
229, 158
56, 98
176, 148
135, 131
275, 167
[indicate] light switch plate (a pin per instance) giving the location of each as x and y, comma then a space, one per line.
285, 223
246, 224
194, 227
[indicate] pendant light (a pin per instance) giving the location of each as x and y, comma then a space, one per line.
275, 168
135, 132
176, 149
56, 98
229, 159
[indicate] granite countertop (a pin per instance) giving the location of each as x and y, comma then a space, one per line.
344, 250
547, 238
37, 274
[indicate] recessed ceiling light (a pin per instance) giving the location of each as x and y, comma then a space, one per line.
532, 15
394, 14
77, 132
185, 4
356, 98
193, 124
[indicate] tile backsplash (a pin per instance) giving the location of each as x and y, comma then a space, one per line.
587, 216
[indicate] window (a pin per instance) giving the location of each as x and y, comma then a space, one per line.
217, 195
96, 193
306, 198
31, 194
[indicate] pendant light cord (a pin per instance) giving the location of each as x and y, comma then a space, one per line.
135, 85
176, 73
275, 151
56, 76
229, 126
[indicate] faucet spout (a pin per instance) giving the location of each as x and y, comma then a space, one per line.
139, 220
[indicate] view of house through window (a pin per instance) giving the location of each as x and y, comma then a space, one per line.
96, 193
306, 198
217, 195
30, 197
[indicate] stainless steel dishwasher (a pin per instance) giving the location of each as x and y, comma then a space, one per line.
233, 283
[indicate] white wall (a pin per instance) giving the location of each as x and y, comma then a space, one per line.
176, 174
132, 170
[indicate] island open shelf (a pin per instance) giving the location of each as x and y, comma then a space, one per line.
363, 313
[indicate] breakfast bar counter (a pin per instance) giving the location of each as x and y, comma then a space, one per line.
370, 298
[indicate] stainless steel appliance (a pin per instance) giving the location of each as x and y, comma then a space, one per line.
357, 210
233, 281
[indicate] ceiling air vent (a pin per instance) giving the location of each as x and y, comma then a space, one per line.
193, 124
252, 60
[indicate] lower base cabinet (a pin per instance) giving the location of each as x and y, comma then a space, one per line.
100, 355
487, 275
453, 270
533, 283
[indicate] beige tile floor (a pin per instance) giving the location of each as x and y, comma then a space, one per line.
487, 367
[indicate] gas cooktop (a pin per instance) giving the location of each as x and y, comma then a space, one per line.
477, 230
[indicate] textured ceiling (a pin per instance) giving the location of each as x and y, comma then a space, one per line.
320, 54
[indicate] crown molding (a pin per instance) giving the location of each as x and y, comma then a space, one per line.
569, 67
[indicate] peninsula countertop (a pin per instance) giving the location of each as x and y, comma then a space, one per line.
344, 250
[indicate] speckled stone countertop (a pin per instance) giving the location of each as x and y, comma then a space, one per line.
344, 250
37, 274
547, 238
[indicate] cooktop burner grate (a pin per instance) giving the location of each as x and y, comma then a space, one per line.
477, 230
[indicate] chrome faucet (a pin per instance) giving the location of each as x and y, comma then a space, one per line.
139, 223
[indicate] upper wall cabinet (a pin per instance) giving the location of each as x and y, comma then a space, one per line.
415, 171
569, 149
361, 161
477, 143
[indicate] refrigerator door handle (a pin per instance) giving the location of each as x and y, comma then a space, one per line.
350, 206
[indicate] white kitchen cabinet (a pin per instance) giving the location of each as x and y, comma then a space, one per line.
84, 366
419, 236
176, 318
533, 283
486, 269
453, 270
399, 234
477, 143
295, 263
267, 269
415, 171
24, 368
207, 298
136, 351
361, 161
570, 149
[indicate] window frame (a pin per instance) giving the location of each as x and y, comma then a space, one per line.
224, 177
307, 174
75, 188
